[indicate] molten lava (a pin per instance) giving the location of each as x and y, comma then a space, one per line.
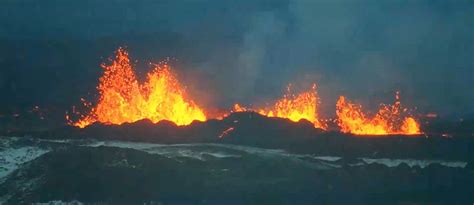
390, 119
123, 99
226, 132
293, 107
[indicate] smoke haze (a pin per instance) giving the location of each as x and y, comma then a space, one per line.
245, 51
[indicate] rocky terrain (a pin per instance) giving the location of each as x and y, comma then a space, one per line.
261, 161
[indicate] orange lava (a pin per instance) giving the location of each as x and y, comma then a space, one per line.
123, 99
226, 132
389, 120
293, 107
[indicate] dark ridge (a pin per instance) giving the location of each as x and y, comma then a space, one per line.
253, 129
126, 176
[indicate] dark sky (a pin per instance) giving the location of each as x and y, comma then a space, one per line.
245, 51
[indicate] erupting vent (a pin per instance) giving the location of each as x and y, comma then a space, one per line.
388, 120
161, 97
294, 107
124, 99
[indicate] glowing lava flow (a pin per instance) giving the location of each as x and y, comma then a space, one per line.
293, 107
387, 121
226, 132
123, 99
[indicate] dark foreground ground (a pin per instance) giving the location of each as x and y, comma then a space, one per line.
263, 161
131, 173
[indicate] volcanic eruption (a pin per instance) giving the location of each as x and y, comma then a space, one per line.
389, 120
123, 99
293, 107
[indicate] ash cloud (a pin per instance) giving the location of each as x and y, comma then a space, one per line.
246, 51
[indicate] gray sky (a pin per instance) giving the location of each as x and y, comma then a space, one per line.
248, 51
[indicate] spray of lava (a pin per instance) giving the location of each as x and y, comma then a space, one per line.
293, 107
388, 120
123, 99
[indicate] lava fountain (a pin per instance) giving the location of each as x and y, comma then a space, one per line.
293, 107
123, 99
389, 120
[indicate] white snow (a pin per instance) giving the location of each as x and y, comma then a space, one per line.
59, 202
327, 158
414, 162
185, 150
12, 158
199, 152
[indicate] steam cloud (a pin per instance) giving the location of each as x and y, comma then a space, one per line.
246, 51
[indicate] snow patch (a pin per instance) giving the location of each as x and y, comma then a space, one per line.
414, 162
327, 158
202, 152
59, 202
12, 158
